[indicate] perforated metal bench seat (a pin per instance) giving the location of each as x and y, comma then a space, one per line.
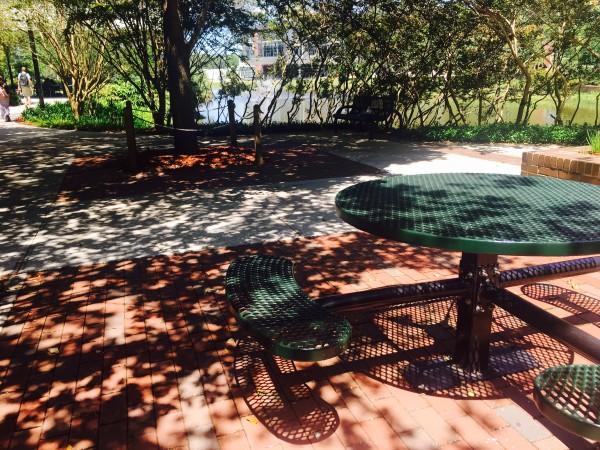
570, 397
268, 303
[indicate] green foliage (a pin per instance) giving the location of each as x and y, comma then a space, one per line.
202, 88
593, 139
509, 133
98, 116
132, 32
107, 115
119, 92
14, 97
56, 115
233, 86
444, 60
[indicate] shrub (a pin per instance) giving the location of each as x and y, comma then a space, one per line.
118, 93
53, 115
107, 115
15, 100
594, 141
505, 132
508, 133
97, 116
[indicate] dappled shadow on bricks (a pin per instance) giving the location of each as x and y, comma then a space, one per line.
141, 352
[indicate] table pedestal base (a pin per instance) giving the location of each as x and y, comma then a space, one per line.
474, 312
473, 335
479, 287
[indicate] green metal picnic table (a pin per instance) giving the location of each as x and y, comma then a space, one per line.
481, 215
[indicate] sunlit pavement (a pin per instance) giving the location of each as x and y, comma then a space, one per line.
35, 160
115, 332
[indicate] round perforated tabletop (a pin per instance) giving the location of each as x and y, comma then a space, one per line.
478, 213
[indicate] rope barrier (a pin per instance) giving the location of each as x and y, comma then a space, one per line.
143, 120
246, 117
218, 108
162, 127
173, 129
218, 127
166, 127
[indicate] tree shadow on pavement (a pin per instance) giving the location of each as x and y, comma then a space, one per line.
136, 352
211, 167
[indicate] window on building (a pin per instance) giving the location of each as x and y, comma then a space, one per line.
247, 51
272, 48
245, 72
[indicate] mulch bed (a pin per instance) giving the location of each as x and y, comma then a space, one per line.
101, 177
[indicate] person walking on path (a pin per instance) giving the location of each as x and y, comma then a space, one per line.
25, 86
4, 101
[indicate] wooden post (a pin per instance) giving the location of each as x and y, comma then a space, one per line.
132, 155
258, 150
232, 127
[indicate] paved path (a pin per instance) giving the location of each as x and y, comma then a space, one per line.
32, 163
34, 160
137, 352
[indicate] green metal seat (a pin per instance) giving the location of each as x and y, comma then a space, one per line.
268, 303
570, 397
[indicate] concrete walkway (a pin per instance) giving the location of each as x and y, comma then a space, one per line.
32, 164
40, 233
139, 350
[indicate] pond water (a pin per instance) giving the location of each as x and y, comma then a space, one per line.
545, 112
216, 110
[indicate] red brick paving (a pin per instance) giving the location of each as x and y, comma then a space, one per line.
140, 354
106, 177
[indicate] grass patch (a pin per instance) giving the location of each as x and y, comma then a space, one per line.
493, 133
505, 132
97, 117
593, 139
109, 116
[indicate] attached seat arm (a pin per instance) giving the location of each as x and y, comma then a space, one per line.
342, 108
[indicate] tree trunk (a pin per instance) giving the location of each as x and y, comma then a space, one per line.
36, 66
578, 103
182, 99
506, 30
524, 99
159, 115
558, 120
559, 102
9, 64
596, 116
479, 108
76, 107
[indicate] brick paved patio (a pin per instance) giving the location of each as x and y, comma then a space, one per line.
143, 354
107, 342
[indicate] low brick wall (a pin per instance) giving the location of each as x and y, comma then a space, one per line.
568, 164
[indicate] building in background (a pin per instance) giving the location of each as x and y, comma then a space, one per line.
263, 52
